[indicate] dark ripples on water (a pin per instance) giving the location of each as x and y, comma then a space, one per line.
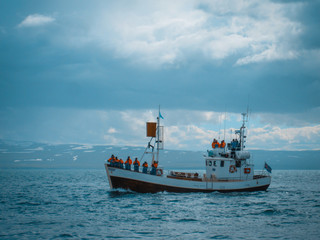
78, 204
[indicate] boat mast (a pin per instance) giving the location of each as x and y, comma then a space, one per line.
158, 131
242, 136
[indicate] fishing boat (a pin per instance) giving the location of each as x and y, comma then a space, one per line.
228, 168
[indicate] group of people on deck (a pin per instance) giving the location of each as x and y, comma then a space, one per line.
115, 162
216, 144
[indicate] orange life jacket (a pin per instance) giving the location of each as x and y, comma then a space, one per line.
136, 162
111, 159
215, 144
155, 164
121, 161
129, 161
145, 164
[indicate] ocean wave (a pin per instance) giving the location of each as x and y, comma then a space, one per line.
78, 204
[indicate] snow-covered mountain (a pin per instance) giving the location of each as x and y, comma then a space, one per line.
40, 155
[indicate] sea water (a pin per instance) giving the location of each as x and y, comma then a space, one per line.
78, 204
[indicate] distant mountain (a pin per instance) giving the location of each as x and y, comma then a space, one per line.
39, 155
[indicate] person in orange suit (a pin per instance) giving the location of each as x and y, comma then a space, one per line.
117, 162
111, 160
128, 163
136, 165
215, 143
145, 167
121, 163
154, 168
223, 144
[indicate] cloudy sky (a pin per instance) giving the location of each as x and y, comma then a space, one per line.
94, 72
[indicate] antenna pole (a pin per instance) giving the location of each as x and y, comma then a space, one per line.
242, 137
219, 126
224, 130
158, 132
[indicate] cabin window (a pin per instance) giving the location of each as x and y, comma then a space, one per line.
210, 163
222, 164
214, 163
238, 163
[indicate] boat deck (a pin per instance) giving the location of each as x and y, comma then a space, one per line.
196, 178
185, 178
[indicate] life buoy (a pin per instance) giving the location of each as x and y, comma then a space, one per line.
232, 169
247, 170
159, 172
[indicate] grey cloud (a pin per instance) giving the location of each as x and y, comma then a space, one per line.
45, 69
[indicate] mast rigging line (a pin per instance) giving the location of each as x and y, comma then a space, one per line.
145, 151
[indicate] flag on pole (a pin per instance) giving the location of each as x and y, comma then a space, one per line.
267, 167
160, 115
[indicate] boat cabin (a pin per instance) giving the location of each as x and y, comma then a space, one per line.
223, 167
230, 162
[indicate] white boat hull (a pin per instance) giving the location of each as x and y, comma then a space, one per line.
142, 182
